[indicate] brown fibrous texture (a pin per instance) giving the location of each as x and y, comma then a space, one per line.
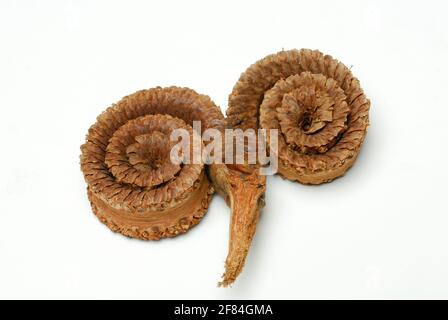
243, 188
136, 190
133, 187
315, 103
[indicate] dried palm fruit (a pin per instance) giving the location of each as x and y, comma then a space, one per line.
133, 186
315, 103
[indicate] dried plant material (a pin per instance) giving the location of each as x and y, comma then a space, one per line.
133, 186
136, 190
311, 99
321, 114
317, 105
243, 188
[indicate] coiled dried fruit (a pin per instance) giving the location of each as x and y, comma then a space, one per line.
136, 190
132, 185
312, 99
316, 104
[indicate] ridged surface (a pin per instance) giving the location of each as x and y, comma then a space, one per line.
132, 185
316, 104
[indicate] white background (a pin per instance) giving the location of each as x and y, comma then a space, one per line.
381, 231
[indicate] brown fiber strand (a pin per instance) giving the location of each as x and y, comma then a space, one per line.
133, 187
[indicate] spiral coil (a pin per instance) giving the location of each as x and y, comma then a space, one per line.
133, 186
315, 103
